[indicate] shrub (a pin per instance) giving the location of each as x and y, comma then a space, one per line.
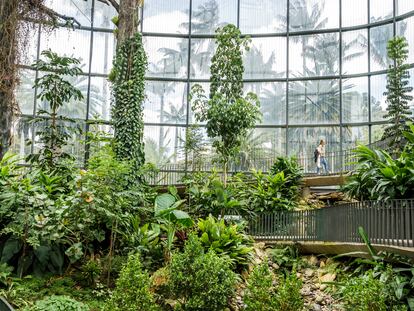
364, 293
269, 192
378, 176
132, 289
288, 294
226, 240
260, 292
292, 171
57, 303
199, 280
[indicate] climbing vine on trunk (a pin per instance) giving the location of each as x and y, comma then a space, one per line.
128, 81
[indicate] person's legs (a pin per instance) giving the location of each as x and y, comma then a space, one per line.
325, 165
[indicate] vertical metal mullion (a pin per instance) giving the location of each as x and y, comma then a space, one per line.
341, 140
287, 79
39, 37
394, 22
88, 96
238, 14
187, 120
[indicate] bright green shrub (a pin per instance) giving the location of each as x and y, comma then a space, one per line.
260, 293
288, 294
292, 171
226, 240
132, 289
200, 280
59, 303
364, 293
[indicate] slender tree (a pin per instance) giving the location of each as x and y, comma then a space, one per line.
398, 98
227, 113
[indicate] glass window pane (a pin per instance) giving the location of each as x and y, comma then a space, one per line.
313, 102
404, 6
377, 131
405, 29
25, 92
166, 16
378, 99
81, 11
380, 10
259, 149
355, 51
208, 15
379, 39
164, 144
272, 97
303, 141
354, 12
314, 55
266, 58
166, 102
202, 50
67, 42
103, 52
73, 109
313, 14
22, 133
103, 15
263, 16
100, 99
167, 57
355, 100
354, 135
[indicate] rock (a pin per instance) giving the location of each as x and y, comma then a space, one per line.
275, 266
260, 245
329, 277
318, 299
312, 260
308, 273
322, 264
316, 307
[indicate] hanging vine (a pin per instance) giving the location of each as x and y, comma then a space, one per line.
128, 90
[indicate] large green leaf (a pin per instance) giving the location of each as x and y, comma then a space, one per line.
11, 248
183, 218
164, 201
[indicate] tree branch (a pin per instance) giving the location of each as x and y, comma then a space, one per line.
114, 4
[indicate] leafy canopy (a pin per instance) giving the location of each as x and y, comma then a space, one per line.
227, 113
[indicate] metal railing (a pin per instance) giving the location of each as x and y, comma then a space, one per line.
386, 223
338, 162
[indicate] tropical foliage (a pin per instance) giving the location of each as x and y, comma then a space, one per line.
380, 176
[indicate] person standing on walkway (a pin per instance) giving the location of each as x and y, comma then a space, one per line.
321, 161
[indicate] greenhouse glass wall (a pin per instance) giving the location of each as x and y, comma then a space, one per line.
318, 67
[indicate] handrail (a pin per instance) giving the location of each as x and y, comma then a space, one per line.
385, 222
339, 162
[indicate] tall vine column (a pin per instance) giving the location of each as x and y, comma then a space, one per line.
8, 71
128, 77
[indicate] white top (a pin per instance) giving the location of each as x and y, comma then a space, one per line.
321, 150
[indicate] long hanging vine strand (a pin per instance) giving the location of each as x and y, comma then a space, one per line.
128, 90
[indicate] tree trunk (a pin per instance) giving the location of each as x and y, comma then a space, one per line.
128, 19
8, 70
